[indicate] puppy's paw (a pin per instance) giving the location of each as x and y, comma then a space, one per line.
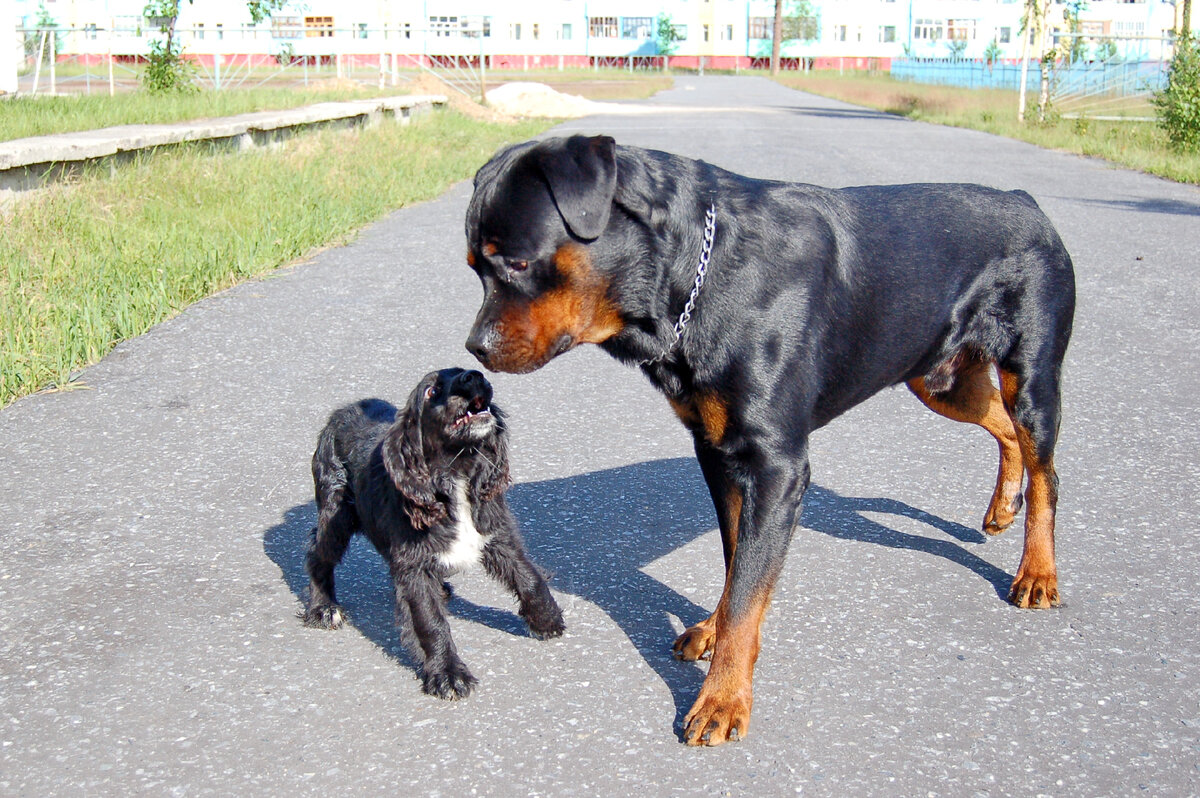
325, 616
546, 622
451, 684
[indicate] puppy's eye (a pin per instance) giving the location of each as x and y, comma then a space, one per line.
433, 391
518, 265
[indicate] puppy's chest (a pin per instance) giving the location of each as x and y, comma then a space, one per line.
464, 543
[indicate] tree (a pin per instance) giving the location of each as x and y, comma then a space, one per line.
1178, 105
167, 71
776, 37
799, 23
666, 35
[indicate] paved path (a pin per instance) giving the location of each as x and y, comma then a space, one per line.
154, 525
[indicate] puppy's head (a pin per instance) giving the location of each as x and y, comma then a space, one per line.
536, 209
449, 430
456, 407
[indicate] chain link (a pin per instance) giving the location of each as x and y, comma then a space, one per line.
710, 231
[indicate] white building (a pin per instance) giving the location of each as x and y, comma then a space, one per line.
726, 33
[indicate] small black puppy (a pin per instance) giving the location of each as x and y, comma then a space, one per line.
426, 486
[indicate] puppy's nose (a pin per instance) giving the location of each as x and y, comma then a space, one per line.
474, 387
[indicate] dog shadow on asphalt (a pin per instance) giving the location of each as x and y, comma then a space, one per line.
595, 533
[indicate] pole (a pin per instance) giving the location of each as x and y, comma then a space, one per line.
1027, 32
53, 63
37, 68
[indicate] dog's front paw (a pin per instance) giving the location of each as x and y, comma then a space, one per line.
546, 622
718, 716
451, 684
324, 616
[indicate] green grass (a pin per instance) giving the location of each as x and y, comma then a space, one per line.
1138, 145
85, 266
24, 116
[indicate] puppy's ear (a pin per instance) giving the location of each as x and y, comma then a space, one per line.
491, 479
404, 461
582, 173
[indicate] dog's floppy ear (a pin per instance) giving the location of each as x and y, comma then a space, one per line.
404, 460
582, 173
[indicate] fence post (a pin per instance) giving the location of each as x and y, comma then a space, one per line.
37, 68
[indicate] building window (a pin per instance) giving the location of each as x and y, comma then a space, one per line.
318, 27
839, 33
887, 33
960, 29
286, 28
1004, 35
680, 32
199, 30
637, 27
726, 33
928, 29
537, 31
566, 32
514, 31
444, 26
805, 28
602, 27
220, 31
706, 32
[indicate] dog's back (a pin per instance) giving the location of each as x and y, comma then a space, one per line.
345, 444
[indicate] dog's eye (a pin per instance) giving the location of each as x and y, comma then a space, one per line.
518, 265
433, 391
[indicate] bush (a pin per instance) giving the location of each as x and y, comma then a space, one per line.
166, 72
1179, 103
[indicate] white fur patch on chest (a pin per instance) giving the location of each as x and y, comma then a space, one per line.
467, 548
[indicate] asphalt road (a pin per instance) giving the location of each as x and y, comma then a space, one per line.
154, 523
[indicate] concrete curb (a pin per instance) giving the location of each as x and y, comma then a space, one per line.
30, 163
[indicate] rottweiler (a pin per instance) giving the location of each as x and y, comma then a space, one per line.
763, 310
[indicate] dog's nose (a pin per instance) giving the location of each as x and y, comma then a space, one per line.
478, 345
472, 384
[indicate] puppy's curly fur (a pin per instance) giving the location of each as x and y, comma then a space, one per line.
426, 486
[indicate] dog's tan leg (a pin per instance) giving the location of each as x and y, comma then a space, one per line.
1036, 583
973, 399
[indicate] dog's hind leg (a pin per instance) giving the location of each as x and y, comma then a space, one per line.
421, 615
1033, 398
336, 524
971, 397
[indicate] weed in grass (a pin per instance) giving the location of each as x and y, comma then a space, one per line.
90, 265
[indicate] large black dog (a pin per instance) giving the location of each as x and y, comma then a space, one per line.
765, 309
426, 486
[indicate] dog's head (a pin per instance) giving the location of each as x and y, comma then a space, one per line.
449, 429
536, 208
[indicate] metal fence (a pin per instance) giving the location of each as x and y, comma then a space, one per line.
1097, 89
91, 60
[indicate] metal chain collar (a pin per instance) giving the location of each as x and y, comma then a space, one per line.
710, 231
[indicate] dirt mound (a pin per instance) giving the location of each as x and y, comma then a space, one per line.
538, 99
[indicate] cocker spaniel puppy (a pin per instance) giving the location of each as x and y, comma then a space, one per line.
426, 486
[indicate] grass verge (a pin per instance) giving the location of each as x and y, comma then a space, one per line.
86, 266
1138, 145
24, 115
